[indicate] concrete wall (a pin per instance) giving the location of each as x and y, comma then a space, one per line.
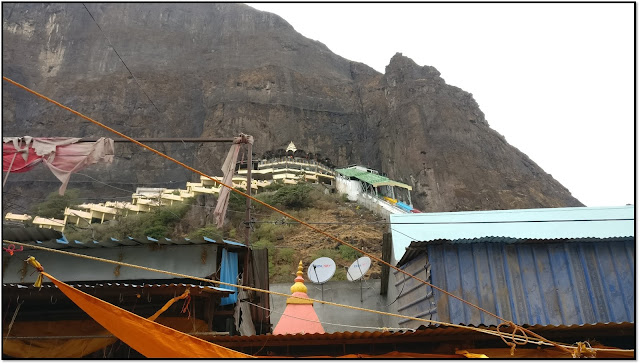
348, 187
343, 292
377, 205
186, 259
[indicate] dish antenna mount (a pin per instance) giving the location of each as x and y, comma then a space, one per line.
357, 271
320, 271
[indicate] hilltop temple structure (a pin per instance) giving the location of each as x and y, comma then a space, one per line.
288, 166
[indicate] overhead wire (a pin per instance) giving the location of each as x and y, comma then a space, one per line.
522, 338
384, 222
128, 69
518, 339
103, 260
106, 184
271, 207
330, 323
121, 60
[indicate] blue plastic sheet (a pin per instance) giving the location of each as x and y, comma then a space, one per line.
229, 274
404, 206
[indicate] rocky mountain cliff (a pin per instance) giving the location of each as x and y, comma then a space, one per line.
216, 70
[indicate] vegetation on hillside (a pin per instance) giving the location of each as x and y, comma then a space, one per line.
53, 206
155, 224
289, 242
286, 240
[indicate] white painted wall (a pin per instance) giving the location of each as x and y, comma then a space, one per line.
349, 187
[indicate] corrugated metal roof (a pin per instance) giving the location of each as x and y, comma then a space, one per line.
442, 333
349, 172
418, 247
548, 282
546, 223
365, 176
61, 241
7, 287
23, 234
371, 178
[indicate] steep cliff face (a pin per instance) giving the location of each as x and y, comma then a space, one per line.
215, 70
453, 159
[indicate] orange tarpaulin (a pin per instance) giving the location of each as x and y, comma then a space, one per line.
146, 337
54, 348
389, 355
41, 346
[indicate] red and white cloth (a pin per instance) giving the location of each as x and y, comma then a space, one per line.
63, 156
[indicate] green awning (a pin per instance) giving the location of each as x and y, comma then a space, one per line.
349, 172
371, 178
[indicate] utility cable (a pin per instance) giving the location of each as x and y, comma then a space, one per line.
13, 319
510, 323
106, 184
127, 67
383, 222
517, 338
333, 324
121, 60
492, 332
404, 329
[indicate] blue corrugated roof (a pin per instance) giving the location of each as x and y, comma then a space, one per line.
547, 223
233, 242
418, 247
532, 282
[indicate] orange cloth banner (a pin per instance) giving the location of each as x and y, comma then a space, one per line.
54, 348
146, 337
42, 348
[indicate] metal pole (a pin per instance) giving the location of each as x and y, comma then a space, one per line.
9, 170
165, 140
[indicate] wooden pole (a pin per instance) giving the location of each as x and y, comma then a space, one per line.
248, 212
386, 256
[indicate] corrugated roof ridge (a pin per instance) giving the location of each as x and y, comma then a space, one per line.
117, 284
131, 241
419, 245
420, 331
507, 239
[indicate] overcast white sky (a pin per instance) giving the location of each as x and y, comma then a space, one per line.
557, 80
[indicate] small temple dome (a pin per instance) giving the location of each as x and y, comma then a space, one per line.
299, 317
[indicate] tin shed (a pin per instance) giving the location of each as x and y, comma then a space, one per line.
527, 281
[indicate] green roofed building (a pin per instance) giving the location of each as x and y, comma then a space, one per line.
379, 192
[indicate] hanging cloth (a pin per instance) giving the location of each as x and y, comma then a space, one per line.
229, 274
228, 167
63, 156
242, 314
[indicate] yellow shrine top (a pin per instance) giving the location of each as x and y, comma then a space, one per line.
299, 290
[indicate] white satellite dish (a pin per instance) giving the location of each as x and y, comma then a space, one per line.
358, 268
321, 270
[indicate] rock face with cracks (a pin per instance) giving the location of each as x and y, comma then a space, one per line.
217, 70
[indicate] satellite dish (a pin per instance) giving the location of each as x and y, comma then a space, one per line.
358, 268
321, 270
